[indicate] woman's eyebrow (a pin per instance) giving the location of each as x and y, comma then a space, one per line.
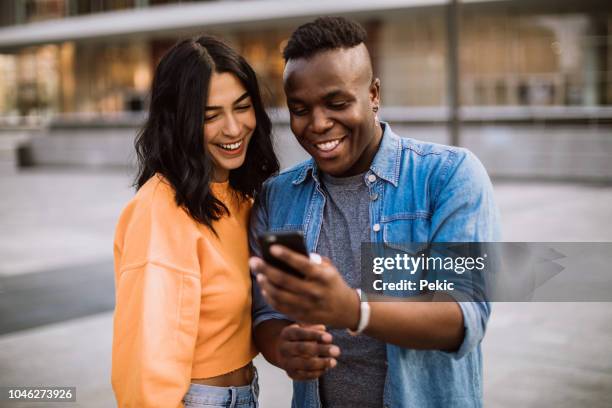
241, 98
293, 100
238, 100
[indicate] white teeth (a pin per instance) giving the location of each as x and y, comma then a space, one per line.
327, 146
231, 146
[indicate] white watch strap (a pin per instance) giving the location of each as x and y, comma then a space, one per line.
364, 315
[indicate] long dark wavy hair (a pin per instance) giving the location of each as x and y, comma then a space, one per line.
171, 142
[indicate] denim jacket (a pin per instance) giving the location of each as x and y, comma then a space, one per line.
424, 192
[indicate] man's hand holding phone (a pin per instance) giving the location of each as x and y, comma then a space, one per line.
319, 296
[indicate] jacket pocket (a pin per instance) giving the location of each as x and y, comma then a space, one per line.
405, 231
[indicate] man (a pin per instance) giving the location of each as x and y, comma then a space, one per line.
366, 184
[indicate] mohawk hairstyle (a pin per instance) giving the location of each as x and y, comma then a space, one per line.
322, 34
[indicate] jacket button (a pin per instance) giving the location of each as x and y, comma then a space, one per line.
372, 178
376, 227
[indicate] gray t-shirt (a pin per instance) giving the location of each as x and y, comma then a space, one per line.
359, 378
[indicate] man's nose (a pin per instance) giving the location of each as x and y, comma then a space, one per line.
320, 122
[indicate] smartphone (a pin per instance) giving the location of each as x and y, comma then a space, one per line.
293, 240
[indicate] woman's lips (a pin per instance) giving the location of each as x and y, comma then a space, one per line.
231, 149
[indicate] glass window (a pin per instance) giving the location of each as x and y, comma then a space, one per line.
539, 60
38, 10
411, 60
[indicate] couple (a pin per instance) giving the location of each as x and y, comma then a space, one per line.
189, 318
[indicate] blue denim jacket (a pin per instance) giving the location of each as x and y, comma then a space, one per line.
426, 193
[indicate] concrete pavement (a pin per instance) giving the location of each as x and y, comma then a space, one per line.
56, 229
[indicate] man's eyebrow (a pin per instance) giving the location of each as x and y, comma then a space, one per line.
330, 95
238, 100
333, 94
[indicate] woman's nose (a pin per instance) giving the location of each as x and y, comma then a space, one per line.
232, 126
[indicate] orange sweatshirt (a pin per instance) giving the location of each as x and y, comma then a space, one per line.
183, 297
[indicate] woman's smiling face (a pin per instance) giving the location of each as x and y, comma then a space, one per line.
229, 122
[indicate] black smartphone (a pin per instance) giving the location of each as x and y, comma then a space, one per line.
293, 240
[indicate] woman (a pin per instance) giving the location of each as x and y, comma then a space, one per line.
182, 324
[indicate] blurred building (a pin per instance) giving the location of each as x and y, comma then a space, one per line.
521, 62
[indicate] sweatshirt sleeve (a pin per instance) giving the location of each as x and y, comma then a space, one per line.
157, 281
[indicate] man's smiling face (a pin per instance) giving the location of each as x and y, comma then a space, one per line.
331, 98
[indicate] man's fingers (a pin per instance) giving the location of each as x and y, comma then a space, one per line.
310, 364
317, 327
301, 374
278, 277
279, 297
326, 261
315, 258
298, 261
309, 349
297, 332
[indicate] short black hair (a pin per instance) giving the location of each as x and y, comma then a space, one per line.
322, 34
171, 142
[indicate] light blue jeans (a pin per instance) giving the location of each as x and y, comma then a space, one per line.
207, 396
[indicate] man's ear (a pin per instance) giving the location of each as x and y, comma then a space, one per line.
375, 92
